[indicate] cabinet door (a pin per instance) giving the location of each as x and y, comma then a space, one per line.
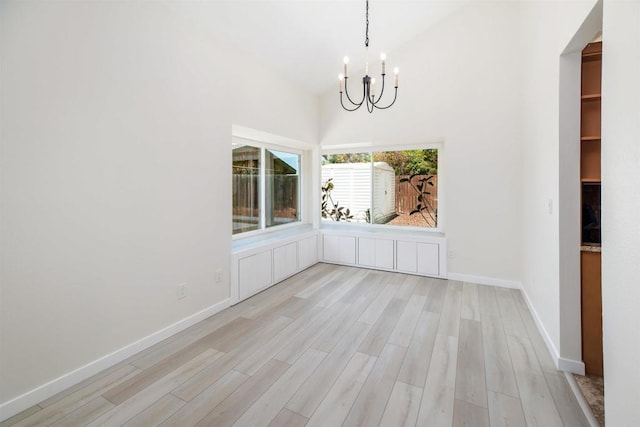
331, 248
384, 253
307, 252
285, 261
375, 252
367, 251
339, 249
591, 298
254, 273
406, 259
428, 259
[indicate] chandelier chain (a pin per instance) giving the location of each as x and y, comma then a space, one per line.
366, 40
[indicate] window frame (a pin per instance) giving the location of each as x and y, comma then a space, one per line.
371, 148
264, 146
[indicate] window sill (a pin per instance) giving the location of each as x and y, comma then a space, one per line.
242, 244
380, 230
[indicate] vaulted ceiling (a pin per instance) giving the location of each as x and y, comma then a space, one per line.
307, 39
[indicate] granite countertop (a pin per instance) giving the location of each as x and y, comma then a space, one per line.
591, 248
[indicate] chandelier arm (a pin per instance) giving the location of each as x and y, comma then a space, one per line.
346, 92
370, 103
392, 102
374, 101
348, 109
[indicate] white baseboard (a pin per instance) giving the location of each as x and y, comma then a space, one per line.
482, 280
572, 366
562, 364
553, 351
33, 397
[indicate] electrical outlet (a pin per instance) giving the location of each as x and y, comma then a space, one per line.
452, 254
182, 290
218, 275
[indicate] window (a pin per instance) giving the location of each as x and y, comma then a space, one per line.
266, 187
381, 187
282, 184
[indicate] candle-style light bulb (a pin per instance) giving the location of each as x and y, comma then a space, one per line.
396, 71
341, 82
383, 57
373, 88
346, 61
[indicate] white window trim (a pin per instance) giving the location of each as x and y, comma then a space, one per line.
263, 146
371, 148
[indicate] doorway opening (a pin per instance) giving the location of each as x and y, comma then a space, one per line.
592, 383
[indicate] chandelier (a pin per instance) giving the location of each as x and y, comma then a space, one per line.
368, 83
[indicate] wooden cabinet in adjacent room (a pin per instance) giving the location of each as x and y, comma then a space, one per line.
591, 300
590, 179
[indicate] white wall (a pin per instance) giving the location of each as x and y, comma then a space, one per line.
115, 186
620, 207
547, 29
459, 82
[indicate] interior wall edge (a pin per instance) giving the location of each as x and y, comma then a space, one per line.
44, 391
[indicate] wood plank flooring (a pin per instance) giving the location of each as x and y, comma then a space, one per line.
336, 346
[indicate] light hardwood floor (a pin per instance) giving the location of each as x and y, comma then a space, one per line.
337, 346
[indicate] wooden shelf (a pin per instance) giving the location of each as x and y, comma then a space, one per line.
590, 160
592, 52
593, 97
593, 56
590, 123
591, 71
590, 138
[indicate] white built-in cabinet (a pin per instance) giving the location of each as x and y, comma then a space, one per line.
260, 262
418, 257
339, 249
307, 251
378, 253
285, 261
393, 250
254, 272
